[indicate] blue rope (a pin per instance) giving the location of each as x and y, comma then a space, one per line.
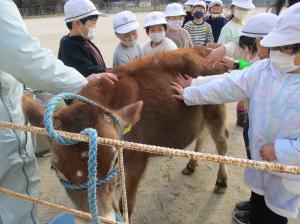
92, 161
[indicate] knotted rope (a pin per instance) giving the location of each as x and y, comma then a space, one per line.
92, 161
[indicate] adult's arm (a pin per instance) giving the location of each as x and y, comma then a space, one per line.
23, 58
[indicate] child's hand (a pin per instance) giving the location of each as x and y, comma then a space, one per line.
178, 91
267, 152
184, 80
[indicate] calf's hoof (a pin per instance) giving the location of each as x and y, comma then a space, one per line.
188, 171
220, 187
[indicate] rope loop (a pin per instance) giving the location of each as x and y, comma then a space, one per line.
93, 145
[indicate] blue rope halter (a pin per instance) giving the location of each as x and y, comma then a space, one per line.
92, 183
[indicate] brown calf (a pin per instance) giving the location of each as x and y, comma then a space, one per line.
161, 120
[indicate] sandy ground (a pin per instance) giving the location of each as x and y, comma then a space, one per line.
164, 196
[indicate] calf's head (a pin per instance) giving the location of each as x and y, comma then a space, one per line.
71, 161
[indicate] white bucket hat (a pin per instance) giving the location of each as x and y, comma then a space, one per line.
286, 30
189, 2
199, 3
124, 22
79, 9
215, 2
260, 25
155, 18
245, 4
174, 9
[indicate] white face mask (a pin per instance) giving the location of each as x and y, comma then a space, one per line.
91, 34
284, 62
215, 15
129, 43
240, 14
175, 25
157, 37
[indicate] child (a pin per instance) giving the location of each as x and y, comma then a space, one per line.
174, 14
156, 26
76, 49
125, 27
215, 18
199, 30
189, 6
273, 87
231, 31
238, 50
249, 47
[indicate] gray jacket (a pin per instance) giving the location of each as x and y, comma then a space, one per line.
23, 61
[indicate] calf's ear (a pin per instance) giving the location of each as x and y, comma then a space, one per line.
131, 113
33, 111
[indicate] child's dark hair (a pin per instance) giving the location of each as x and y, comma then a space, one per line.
83, 21
295, 48
279, 4
248, 43
147, 28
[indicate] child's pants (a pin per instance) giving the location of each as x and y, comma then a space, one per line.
261, 214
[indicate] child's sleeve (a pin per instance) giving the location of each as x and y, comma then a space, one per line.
224, 36
210, 36
187, 27
201, 80
287, 151
230, 88
120, 59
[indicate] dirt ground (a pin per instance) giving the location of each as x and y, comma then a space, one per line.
164, 196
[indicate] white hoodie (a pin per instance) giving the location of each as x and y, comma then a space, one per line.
274, 114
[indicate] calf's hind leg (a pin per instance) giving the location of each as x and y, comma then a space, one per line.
220, 135
191, 166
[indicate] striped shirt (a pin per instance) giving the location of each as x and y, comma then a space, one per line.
201, 34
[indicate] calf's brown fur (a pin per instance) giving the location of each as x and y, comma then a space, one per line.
163, 121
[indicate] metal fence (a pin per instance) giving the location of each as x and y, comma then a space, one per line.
113, 7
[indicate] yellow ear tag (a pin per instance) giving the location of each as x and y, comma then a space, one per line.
127, 129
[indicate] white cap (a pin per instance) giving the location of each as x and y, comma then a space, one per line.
174, 9
245, 4
286, 30
79, 9
215, 2
260, 25
199, 3
124, 22
155, 18
189, 2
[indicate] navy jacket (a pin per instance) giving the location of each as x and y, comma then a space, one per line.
81, 54
216, 26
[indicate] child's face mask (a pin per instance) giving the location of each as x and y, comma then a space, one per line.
240, 14
284, 62
157, 37
128, 39
198, 15
88, 30
175, 24
129, 43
